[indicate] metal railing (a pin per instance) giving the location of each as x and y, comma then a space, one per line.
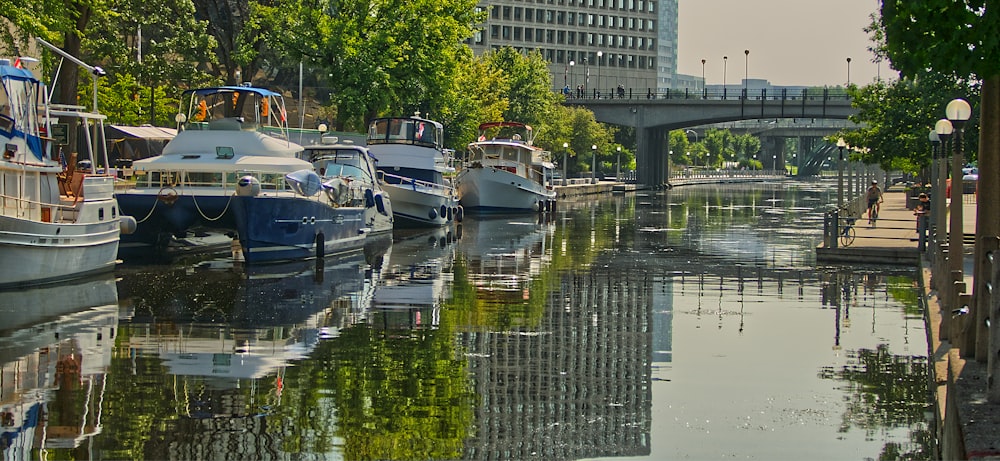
774, 94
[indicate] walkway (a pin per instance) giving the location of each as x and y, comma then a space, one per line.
893, 240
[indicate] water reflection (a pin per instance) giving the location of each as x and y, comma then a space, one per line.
55, 348
684, 324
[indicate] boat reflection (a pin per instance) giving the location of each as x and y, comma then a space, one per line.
227, 323
55, 351
416, 279
504, 254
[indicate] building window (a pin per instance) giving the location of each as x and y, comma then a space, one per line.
550, 36
506, 32
495, 13
571, 19
494, 32
518, 33
561, 17
561, 37
540, 15
560, 57
506, 13
518, 13
529, 14
549, 17
571, 38
478, 37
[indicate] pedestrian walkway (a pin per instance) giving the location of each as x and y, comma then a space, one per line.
892, 239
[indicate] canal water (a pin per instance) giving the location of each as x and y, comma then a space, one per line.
684, 324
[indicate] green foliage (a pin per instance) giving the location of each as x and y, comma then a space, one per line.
956, 38
126, 102
476, 95
896, 117
529, 92
379, 57
578, 128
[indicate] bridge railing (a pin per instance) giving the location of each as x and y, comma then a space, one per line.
780, 94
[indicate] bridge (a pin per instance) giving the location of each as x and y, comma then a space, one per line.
654, 115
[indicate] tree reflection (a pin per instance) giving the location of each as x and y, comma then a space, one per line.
883, 391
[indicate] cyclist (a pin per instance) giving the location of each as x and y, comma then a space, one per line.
874, 196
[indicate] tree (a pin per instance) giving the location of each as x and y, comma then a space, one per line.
958, 38
379, 57
896, 117
529, 93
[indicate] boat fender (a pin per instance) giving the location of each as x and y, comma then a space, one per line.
127, 224
380, 203
535, 206
248, 186
432, 214
451, 213
444, 211
369, 198
459, 213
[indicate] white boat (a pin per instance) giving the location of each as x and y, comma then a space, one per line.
228, 133
412, 165
506, 174
55, 223
333, 206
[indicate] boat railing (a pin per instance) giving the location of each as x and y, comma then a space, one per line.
442, 189
38, 211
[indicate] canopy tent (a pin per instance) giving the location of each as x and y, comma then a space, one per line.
128, 143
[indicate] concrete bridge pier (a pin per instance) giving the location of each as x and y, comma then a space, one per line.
652, 153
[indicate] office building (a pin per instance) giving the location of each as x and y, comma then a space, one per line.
596, 44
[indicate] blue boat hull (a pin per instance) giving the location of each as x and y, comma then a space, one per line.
156, 215
289, 228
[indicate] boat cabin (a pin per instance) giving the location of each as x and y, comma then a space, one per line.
406, 130
234, 108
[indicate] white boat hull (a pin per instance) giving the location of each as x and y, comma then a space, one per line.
420, 206
493, 189
37, 252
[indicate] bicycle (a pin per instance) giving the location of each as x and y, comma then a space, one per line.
873, 213
848, 233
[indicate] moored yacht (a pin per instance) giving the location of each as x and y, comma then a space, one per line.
332, 207
56, 223
228, 133
412, 165
506, 172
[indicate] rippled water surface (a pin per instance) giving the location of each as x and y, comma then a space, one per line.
686, 324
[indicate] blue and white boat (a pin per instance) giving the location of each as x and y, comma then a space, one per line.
227, 134
412, 165
505, 172
332, 207
55, 223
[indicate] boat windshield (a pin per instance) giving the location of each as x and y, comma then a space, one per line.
343, 162
405, 131
236, 108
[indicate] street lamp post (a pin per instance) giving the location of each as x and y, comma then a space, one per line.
746, 72
599, 54
565, 161
704, 86
618, 167
958, 112
725, 62
571, 64
935, 141
840, 173
695, 133
848, 71
943, 128
586, 76
593, 167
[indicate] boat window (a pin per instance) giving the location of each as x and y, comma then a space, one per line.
272, 181
204, 179
399, 130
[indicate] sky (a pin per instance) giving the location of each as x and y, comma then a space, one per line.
791, 42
